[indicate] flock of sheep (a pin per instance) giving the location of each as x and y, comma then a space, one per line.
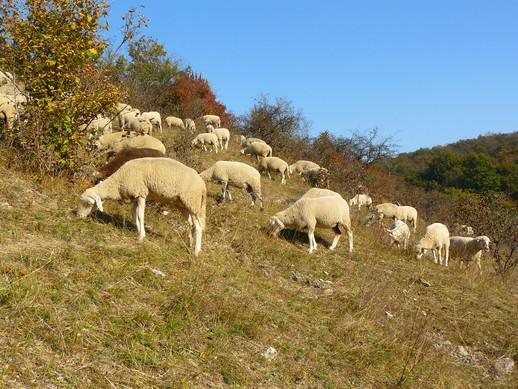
140, 170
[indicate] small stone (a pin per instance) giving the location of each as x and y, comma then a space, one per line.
270, 353
165, 213
389, 314
504, 365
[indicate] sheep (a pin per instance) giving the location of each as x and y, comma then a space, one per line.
274, 164
308, 213
469, 249
238, 175
436, 239
223, 135
139, 125
300, 166
108, 140
399, 233
204, 139
190, 125
154, 117
463, 229
8, 111
408, 214
172, 121
211, 119
138, 142
361, 200
258, 149
162, 179
123, 157
318, 177
402, 212
249, 141
320, 192
241, 139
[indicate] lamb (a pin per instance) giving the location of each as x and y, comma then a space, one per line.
172, 121
223, 135
274, 164
469, 249
190, 125
162, 179
436, 239
399, 233
361, 200
258, 149
238, 175
211, 119
123, 157
205, 139
300, 166
154, 117
308, 213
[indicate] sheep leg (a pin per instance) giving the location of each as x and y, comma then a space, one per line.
312, 241
338, 234
141, 206
135, 216
446, 254
204, 148
434, 256
269, 175
226, 144
197, 236
283, 179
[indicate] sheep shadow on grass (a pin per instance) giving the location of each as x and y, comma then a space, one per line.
120, 221
295, 236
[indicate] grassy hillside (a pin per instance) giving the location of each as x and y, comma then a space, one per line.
81, 303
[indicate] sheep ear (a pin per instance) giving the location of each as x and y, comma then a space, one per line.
99, 203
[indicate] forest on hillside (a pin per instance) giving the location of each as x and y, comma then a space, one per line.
487, 164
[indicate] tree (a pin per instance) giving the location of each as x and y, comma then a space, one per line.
52, 46
479, 174
278, 122
368, 148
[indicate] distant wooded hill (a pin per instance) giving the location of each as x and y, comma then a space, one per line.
487, 164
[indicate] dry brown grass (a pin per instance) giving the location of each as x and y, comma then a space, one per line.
80, 306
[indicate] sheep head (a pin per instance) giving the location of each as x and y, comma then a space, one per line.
88, 199
483, 242
275, 226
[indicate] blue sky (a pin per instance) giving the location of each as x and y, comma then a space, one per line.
427, 73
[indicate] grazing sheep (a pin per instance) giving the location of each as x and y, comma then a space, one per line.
211, 119
464, 230
361, 200
138, 142
308, 213
139, 125
108, 140
123, 157
469, 249
300, 166
124, 117
190, 125
205, 139
436, 239
238, 175
223, 135
320, 192
172, 121
162, 179
257, 149
274, 164
249, 141
399, 233
154, 117
408, 214
318, 177
402, 212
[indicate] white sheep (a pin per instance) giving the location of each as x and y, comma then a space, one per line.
401, 212
138, 142
8, 112
205, 139
241, 139
154, 117
320, 192
139, 125
399, 233
223, 135
408, 214
361, 200
108, 140
211, 119
436, 239
249, 141
469, 249
274, 164
300, 166
257, 149
238, 175
162, 179
308, 213
172, 121
190, 125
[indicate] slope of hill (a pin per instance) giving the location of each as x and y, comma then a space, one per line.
82, 303
488, 163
